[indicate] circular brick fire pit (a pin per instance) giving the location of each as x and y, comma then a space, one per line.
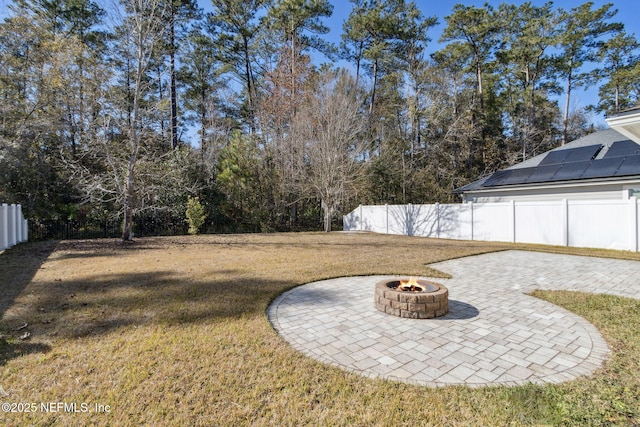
414, 299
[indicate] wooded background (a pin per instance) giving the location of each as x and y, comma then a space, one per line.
123, 111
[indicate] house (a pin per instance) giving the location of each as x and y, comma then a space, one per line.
601, 166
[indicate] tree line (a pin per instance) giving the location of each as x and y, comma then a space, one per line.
130, 109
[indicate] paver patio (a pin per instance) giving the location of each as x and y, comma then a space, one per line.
493, 333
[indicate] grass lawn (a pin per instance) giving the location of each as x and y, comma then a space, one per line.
172, 331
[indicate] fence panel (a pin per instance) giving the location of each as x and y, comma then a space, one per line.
599, 224
634, 245
13, 226
456, 221
4, 226
608, 224
493, 222
373, 219
635, 237
65, 229
351, 221
540, 222
143, 226
412, 220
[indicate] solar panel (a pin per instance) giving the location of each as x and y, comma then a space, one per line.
543, 173
518, 176
508, 177
622, 148
603, 167
574, 163
554, 157
583, 153
630, 166
496, 179
571, 171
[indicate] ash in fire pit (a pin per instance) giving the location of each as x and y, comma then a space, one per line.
411, 298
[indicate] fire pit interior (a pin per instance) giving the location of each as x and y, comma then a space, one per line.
411, 298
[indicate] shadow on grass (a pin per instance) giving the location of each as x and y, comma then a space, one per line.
103, 303
12, 350
18, 266
86, 249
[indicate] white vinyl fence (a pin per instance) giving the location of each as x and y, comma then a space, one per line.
608, 224
13, 226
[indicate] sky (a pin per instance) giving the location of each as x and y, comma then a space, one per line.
628, 14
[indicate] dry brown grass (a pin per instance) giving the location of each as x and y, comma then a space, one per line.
173, 331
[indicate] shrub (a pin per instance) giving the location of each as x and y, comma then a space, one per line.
195, 215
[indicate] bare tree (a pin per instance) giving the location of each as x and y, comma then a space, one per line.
283, 94
143, 28
124, 165
329, 125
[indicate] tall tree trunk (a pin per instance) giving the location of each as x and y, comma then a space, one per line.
565, 119
134, 133
531, 114
172, 71
358, 60
480, 89
127, 233
203, 123
161, 98
375, 83
327, 215
249, 82
293, 72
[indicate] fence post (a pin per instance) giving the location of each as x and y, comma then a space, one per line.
11, 226
18, 220
471, 205
4, 226
386, 210
565, 222
633, 217
513, 221
437, 220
